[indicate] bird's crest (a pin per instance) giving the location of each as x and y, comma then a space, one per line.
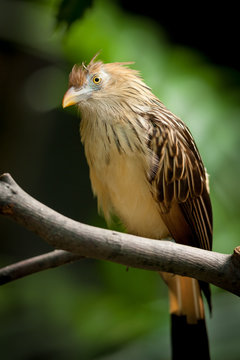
92, 61
79, 73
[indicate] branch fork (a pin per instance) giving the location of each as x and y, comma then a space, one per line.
75, 240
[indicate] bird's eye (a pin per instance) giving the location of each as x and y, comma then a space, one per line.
96, 79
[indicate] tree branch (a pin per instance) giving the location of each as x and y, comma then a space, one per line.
87, 241
35, 264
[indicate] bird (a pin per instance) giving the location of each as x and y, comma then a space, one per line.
145, 169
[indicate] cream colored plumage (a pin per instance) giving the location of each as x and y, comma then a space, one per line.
144, 166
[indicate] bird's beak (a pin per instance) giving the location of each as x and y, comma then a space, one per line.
70, 97
76, 95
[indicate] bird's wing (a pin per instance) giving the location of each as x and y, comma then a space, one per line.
179, 181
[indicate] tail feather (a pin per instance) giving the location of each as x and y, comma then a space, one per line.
189, 341
188, 329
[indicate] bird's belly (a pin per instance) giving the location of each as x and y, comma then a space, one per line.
123, 182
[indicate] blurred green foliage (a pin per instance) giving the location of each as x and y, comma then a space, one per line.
70, 11
98, 310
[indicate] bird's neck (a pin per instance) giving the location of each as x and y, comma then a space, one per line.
113, 131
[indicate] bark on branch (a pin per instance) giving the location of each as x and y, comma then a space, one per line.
79, 240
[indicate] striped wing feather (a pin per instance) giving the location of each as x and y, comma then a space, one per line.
180, 185
179, 182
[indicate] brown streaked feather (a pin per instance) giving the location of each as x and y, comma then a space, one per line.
199, 218
181, 185
180, 182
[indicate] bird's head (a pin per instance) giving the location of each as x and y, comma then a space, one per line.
99, 83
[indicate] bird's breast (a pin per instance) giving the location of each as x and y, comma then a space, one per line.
119, 178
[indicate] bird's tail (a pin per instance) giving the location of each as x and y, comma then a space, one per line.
188, 329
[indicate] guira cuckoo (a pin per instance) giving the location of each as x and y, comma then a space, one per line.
146, 169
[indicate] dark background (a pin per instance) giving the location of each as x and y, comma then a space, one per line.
210, 29
189, 55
